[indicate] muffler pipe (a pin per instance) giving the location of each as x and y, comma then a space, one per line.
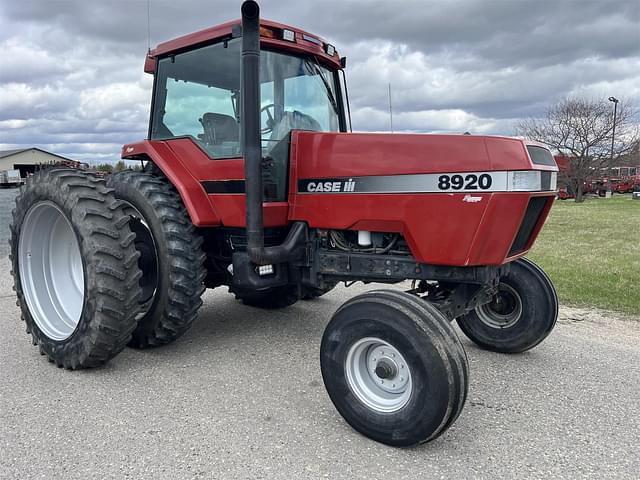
251, 146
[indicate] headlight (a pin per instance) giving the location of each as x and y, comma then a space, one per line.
532, 181
527, 181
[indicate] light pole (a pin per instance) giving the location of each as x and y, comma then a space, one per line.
613, 137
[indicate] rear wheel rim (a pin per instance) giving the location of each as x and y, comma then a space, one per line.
504, 310
378, 375
51, 270
148, 262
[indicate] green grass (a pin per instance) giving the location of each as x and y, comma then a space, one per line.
591, 251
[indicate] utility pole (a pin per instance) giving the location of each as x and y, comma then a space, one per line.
390, 109
613, 138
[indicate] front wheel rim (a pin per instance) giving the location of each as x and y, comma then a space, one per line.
504, 310
378, 375
51, 270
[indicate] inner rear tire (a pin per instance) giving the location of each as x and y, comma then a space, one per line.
270, 299
394, 367
278, 297
521, 315
310, 293
74, 267
171, 260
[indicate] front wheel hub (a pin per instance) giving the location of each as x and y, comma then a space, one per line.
378, 375
504, 310
386, 369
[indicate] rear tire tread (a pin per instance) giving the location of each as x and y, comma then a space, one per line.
184, 257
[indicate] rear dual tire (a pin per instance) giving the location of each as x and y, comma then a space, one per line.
171, 257
97, 268
367, 347
75, 268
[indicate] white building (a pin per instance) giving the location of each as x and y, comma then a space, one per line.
27, 159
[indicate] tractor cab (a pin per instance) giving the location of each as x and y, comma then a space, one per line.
197, 94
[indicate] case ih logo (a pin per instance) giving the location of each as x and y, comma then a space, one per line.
463, 182
324, 186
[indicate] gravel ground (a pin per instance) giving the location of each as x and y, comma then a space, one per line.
241, 396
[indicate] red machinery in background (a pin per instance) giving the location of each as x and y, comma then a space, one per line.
623, 179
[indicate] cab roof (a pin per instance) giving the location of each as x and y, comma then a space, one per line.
271, 35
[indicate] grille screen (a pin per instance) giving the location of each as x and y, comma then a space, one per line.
529, 222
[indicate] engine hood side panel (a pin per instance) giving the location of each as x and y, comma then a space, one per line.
383, 182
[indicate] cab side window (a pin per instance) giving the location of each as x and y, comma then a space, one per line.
197, 97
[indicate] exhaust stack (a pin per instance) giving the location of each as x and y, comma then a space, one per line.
251, 146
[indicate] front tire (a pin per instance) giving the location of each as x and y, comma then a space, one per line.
394, 367
521, 315
74, 267
171, 260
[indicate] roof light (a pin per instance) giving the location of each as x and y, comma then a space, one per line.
311, 39
331, 50
288, 35
266, 32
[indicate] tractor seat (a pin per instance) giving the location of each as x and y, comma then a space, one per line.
219, 128
278, 151
293, 121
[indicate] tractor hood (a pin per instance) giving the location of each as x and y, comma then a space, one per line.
406, 163
488, 196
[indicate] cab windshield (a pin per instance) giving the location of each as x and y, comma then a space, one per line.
197, 95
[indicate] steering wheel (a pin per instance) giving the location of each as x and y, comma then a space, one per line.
269, 110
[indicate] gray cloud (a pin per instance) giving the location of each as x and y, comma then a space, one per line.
71, 76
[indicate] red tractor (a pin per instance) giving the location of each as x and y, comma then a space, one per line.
623, 185
252, 180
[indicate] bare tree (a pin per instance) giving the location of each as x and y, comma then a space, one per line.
582, 130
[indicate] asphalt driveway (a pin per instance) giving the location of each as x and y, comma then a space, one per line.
241, 396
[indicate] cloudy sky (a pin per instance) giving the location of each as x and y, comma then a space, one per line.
71, 77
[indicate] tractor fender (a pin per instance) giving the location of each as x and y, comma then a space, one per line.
199, 206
